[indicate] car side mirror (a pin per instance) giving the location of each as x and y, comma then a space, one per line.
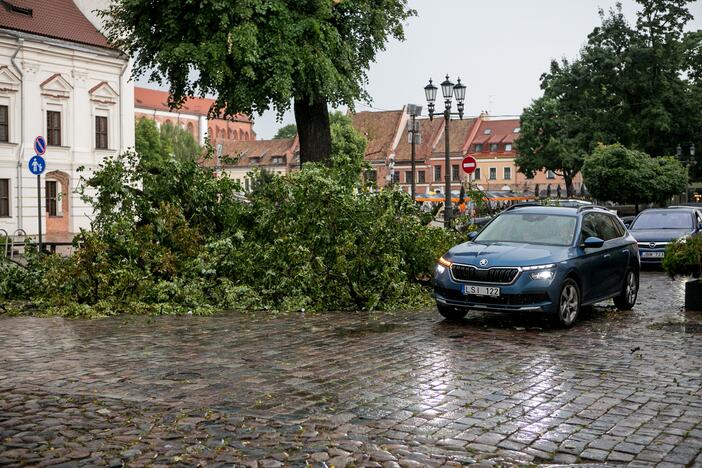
472, 235
593, 243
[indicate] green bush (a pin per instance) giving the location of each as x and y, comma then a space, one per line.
684, 258
174, 238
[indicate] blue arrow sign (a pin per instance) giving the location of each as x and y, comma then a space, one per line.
37, 165
39, 145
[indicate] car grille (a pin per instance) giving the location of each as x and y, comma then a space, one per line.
507, 299
493, 275
658, 245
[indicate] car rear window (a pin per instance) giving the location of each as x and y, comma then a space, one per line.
530, 228
663, 220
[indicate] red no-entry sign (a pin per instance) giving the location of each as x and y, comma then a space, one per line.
469, 164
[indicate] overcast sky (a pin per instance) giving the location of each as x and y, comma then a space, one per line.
499, 48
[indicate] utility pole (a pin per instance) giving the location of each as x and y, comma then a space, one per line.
414, 138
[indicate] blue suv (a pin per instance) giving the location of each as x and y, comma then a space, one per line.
540, 259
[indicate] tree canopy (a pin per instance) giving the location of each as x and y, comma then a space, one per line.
638, 85
257, 55
286, 131
619, 174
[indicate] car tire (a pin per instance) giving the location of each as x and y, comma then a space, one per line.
451, 313
568, 306
630, 290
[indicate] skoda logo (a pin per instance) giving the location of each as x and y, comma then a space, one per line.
652, 245
483, 262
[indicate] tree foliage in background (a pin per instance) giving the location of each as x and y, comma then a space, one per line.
635, 85
286, 131
160, 143
261, 54
615, 173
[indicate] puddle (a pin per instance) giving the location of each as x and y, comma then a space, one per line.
368, 328
180, 376
691, 328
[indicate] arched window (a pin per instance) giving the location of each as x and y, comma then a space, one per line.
231, 134
246, 136
241, 134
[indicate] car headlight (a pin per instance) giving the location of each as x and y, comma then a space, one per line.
541, 272
542, 275
442, 265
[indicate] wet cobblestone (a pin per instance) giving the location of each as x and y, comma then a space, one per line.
381, 390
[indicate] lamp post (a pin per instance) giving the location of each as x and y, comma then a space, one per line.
689, 161
414, 138
448, 90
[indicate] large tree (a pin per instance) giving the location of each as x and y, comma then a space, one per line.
260, 54
635, 85
615, 173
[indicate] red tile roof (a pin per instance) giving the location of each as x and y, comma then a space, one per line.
459, 132
428, 130
501, 131
60, 19
380, 129
158, 100
263, 149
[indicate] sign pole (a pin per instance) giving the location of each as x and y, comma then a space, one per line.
37, 165
39, 210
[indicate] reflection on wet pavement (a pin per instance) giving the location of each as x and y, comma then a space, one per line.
360, 389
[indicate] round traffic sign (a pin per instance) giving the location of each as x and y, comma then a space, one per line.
39, 145
469, 164
37, 165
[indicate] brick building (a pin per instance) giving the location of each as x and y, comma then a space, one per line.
278, 156
192, 116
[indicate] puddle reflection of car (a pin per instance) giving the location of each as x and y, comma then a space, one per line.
656, 228
545, 260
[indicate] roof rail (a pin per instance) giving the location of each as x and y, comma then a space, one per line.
592, 207
522, 205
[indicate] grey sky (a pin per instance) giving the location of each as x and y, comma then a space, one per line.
499, 48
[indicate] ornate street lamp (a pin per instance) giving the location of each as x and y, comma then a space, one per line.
449, 90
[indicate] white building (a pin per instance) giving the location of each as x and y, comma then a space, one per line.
59, 78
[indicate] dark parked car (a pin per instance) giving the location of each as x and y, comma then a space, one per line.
655, 228
540, 259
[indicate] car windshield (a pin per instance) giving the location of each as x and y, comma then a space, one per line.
530, 228
663, 220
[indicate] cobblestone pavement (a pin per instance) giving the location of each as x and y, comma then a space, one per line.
403, 389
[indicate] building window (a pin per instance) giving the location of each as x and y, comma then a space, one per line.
478, 147
396, 177
517, 130
100, 132
507, 173
494, 147
476, 173
454, 172
487, 131
508, 147
421, 177
550, 175
4, 125
53, 128
51, 198
408, 177
493, 173
277, 160
4, 198
437, 173
371, 177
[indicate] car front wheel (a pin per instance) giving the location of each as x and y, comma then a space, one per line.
627, 299
568, 303
451, 313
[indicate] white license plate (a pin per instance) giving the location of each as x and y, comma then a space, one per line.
653, 254
481, 290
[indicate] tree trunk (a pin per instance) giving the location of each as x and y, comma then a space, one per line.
312, 118
569, 184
